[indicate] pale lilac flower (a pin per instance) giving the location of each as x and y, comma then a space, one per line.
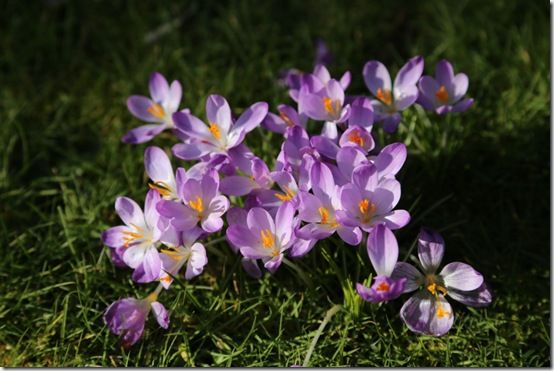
287, 118
221, 134
443, 93
201, 203
263, 237
359, 137
126, 317
136, 240
159, 170
369, 201
187, 251
428, 311
382, 249
158, 110
391, 99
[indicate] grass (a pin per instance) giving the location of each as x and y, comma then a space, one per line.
481, 178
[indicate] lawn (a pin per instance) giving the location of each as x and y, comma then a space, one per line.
481, 178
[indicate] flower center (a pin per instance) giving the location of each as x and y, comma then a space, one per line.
433, 287
197, 205
214, 129
287, 195
286, 119
332, 107
367, 209
324, 213
383, 286
384, 96
156, 110
442, 95
268, 240
355, 137
163, 188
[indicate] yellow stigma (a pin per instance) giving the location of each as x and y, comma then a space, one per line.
367, 209
214, 129
383, 286
197, 205
165, 279
287, 196
268, 240
331, 106
286, 119
156, 110
162, 188
433, 287
324, 213
355, 137
384, 96
442, 95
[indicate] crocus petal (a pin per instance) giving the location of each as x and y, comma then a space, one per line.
134, 255
159, 89
461, 276
462, 105
237, 185
251, 267
376, 76
252, 117
192, 126
430, 250
161, 314
150, 268
142, 133
386, 195
197, 261
283, 223
428, 86
406, 97
157, 165
459, 86
301, 247
309, 208
210, 185
390, 123
192, 151
330, 131
444, 74
480, 297
212, 224
241, 236
345, 80
413, 277
350, 235
419, 313
236, 215
182, 218
174, 98
219, 113
442, 317
115, 236
382, 249
361, 114
396, 219
315, 230
274, 263
312, 106
409, 74
322, 73
130, 212
391, 159
365, 177
151, 216
325, 146
139, 105
274, 123
348, 158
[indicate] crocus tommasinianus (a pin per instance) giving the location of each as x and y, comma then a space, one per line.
391, 99
159, 170
221, 133
201, 203
136, 240
428, 312
265, 238
382, 249
126, 317
443, 93
368, 201
287, 118
187, 251
165, 101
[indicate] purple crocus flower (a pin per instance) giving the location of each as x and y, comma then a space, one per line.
159, 170
391, 99
428, 311
359, 137
319, 209
126, 317
221, 134
263, 237
237, 215
382, 249
253, 174
159, 110
188, 252
443, 93
287, 118
136, 241
201, 203
361, 112
369, 201
323, 55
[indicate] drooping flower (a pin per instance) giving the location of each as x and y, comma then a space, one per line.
221, 134
444, 93
201, 202
126, 317
263, 237
382, 249
392, 99
369, 201
428, 311
159, 109
136, 241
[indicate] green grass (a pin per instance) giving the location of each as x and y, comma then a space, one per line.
481, 178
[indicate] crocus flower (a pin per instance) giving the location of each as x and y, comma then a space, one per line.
201, 203
361, 112
159, 170
136, 240
188, 251
323, 55
287, 118
382, 249
428, 311
237, 215
253, 174
368, 201
443, 93
391, 99
359, 137
263, 237
159, 110
126, 317
221, 133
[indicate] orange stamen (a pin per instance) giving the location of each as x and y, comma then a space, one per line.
268, 240
331, 106
355, 137
214, 129
286, 119
156, 110
161, 187
384, 96
197, 205
367, 209
383, 286
442, 95
284, 197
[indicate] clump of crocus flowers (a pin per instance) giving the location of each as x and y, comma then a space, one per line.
329, 177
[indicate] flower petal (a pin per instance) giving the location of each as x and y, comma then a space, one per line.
142, 134
480, 297
430, 250
130, 212
161, 314
410, 273
391, 159
382, 249
252, 117
376, 76
409, 74
461, 276
138, 105
159, 89
157, 165
192, 150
